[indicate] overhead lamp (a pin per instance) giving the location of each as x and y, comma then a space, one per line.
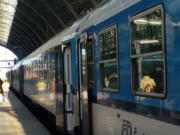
148, 41
145, 21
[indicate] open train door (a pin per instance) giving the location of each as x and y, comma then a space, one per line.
85, 108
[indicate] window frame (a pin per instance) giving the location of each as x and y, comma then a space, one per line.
106, 29
132, 57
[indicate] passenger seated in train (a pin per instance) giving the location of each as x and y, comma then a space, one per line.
147, 84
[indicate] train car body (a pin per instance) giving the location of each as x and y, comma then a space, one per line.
134, 91
49, 87
113, 72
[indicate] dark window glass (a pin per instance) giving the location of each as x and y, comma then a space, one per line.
90, 51
107, 42
109, 76
108, 59
148, 74
91, 75
147, 54
146, 33
90, 63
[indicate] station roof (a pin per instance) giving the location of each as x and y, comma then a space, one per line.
27, 24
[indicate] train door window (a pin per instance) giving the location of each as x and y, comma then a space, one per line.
108, 59
46, 67
147, 52
52, 70
91, 62
83, 63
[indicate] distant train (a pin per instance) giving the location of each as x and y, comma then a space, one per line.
115, 71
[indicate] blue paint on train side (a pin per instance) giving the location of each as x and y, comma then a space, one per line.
172, 34
124, 98
74, 64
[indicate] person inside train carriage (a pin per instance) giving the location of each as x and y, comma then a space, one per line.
147, 84
5, 87
1, 91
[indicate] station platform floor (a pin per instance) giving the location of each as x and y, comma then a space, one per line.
16, 119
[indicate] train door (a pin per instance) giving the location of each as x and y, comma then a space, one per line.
83, 86
68, 91
59, 86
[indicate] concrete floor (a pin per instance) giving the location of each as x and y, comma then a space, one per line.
15, 119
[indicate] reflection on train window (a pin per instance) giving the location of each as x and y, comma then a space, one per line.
108, 59
109, 77
148, 73
91, 63
147, 53
83, 64
146, 33
52, 71
107, 41
46, 67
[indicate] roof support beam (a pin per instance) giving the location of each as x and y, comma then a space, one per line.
94, 2
36, 12
34, 22
51, 10
26, 50
24, 33
21, 40
21, 32
30, 28
16, 35
71, 9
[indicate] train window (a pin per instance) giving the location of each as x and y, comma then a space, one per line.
91, 63
83, 63
147, 53
46, 67
108, 59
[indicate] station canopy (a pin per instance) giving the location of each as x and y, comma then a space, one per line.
27, 24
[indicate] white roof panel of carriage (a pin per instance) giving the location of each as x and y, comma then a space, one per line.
105, 10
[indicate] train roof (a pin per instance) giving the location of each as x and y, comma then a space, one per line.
67, 34
104, 11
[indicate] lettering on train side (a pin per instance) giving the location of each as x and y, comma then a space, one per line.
128, 129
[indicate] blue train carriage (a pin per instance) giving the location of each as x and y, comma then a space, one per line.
127, 78
50, 80
39, 86
17, 78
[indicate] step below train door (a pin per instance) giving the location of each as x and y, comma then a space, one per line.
85, 109
68, 90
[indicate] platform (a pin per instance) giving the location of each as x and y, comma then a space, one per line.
16, 119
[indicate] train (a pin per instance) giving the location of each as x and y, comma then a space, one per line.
114, 71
